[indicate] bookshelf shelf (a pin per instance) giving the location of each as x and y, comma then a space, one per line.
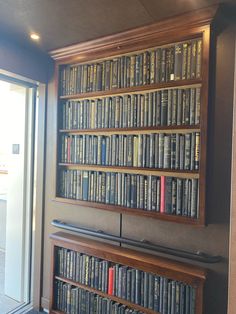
135, 89
141, 130
136, 170
65, 245
129, 211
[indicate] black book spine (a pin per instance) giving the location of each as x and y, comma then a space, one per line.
158, 59
192, 300
169, 107
178, 61
168, 195
165, 296
199, 58
161, 150
163, 65
152, 67
179, 106
170, 56
198, 105
194, 198
187, 151
156, 296
146, 291
133, 286
173, 297
151, 292
182, 298
137, 286
193, 58
169, 298
158, 108
164, 105
187, 108
177, 298
167, 151
192, 106
174, 195
179, 196
173, 151
128, 285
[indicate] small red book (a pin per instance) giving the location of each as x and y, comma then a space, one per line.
110, 280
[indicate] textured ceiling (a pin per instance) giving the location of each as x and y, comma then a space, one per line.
64, 22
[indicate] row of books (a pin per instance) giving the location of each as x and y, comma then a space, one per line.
176, 62
162, 151
160, 108
74, 300
151, 291
169, 195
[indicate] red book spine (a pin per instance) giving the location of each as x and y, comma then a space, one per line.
110, 280
163, 184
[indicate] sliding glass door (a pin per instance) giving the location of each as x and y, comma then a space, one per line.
17, 106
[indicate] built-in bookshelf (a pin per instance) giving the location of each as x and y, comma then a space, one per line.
132, 121
92, 277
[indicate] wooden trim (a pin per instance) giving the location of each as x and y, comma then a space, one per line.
131, 211
143, 261
232, 235
192, 174
150, 35
38, 203
186, 273
160, 30
52, 272
142, 130
203, 123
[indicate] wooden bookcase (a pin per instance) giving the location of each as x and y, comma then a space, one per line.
178, 272
161, 36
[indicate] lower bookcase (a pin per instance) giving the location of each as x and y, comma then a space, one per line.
89, 277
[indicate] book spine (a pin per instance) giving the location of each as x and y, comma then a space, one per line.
163, 65
178, 61
198, 105
168, 195
199, 58
193, 58
197, 151
158, 65
164, 105
132, 70
162, 196
152, 67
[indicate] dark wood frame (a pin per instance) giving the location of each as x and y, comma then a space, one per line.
192, 275
184, 27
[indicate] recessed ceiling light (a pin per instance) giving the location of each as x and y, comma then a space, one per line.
34, 36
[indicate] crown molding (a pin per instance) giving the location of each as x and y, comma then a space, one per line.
114, 43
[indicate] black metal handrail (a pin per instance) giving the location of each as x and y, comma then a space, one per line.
196, 256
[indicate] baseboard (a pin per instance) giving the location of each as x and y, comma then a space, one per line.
45, 303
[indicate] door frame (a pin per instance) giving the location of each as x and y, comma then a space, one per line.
232, 234
37, 214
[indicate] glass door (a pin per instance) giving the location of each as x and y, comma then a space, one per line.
17, 103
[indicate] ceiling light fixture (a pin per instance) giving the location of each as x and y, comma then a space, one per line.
34, 36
